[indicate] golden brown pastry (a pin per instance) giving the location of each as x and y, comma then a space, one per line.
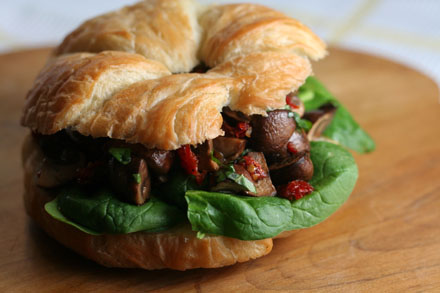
127, 75
241, 29
261, 55
163, 30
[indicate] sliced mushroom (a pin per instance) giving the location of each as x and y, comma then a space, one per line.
294, 168
204, 152
52, 174
264, 185
298, 143
159, 161
228, 186
236, 115
131, 181
320, 118
295, 104
271, 134
230, 147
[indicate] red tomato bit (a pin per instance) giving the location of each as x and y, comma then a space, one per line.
291, 147
254, 168
188, 160
241, 129
201, 176
290, 101
295, 189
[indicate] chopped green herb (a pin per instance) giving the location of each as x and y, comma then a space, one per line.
240, 179
302, 123
213, 158
228, 172
137, 177
123, 155
221, 176
200, 235
230, 168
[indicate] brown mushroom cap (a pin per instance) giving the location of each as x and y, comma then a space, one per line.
299, 141
230, 147
271, 134
204, 152
236, 115
131, 181
294, 168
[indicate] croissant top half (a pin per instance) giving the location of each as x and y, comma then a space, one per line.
124, 74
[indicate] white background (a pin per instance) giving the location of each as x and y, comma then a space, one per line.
407, 31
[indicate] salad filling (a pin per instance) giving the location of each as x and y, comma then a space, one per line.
257, 156
266, 175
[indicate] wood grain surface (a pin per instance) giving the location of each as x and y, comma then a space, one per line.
386, 238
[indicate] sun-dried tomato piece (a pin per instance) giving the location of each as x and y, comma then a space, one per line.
200, 177
291, 147
254, 168
290, 100
188, 160
295, 189
241, 129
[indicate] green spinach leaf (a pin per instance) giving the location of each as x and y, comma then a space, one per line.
335, 174
241, 217
103, 212
343, 128
52, 209
173, 192
251, 218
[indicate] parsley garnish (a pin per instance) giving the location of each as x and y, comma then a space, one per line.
123, 155
228, 172
137, 177
302, 123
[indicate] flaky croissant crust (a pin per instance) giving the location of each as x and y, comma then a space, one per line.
122, 75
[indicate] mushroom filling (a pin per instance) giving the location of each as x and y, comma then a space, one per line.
257, 156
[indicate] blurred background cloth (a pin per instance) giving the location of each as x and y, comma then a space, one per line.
407, 31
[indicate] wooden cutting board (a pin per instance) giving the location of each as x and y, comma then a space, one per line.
385, 238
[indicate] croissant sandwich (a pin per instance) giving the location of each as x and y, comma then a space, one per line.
173, 135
